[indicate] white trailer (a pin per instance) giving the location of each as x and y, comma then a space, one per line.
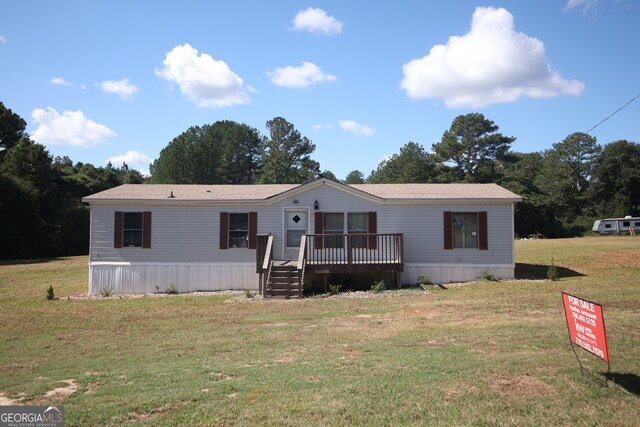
626, 225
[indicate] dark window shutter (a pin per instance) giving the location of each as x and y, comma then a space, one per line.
483, 236
146, 230
373, 228
448, 230
319, 229
224, 230
253, 229
117, 230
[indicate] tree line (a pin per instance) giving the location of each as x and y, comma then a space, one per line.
41, 214
564, 188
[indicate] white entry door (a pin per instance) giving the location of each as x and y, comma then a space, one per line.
295, 226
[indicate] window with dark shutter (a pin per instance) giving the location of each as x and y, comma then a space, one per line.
483, 243
448, 230
117, 231
466, 230
253, 229
238, 230
146, 230
373, 229
224, 230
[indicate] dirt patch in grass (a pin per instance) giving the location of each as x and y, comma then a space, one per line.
58, 394
6, 401
616, 259
519, 386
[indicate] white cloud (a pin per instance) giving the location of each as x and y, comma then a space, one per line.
130, 158
298, 77
68, 128
204, 80
587, 4
356, 128
490, 64
59, 81
123, 88
3, 39
317, 21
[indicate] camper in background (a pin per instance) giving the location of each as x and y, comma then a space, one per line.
626, 225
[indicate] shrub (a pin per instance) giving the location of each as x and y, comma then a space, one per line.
334, 289
50, 294
172, 289
106, 292
377, 287
488, 276
424, 282
552, 272
249, 294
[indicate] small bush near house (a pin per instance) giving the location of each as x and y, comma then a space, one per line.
50, 294
106, 292
377, 287
424, 282
172, 289
334, 289
552, 272
249, 294
488, 276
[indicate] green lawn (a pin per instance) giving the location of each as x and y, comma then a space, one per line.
485, 353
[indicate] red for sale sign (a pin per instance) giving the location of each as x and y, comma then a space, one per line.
586, 325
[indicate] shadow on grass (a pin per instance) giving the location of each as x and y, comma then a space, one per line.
28, 261
628, 381
539, 271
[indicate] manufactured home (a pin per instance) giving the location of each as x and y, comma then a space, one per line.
626, 225
274, 238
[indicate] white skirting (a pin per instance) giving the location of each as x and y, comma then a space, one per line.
146, 278
441, 273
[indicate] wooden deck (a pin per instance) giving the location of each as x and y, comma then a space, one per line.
325, 254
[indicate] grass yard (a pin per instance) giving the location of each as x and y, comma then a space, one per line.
485, 353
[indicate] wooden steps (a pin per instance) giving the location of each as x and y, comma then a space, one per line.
284, 281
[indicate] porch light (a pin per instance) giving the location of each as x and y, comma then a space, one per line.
316, 205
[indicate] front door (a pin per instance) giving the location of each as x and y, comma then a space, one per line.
295, 226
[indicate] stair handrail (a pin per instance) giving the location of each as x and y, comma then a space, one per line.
302, 262
268, 256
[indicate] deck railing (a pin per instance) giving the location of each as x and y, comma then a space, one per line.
351, 249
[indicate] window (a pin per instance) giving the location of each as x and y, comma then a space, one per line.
132, 229
238, 230
465, 230
334, 224
625, 223
607, 226
358, 223
636, 224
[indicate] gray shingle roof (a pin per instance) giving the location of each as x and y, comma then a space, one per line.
157, 192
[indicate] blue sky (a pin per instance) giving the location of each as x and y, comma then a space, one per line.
118, 80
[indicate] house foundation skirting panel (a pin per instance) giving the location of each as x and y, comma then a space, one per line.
441, 273
147, 278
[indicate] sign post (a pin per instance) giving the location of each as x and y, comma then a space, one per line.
585, 322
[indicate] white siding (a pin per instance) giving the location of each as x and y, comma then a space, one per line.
126, 278
453, 273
